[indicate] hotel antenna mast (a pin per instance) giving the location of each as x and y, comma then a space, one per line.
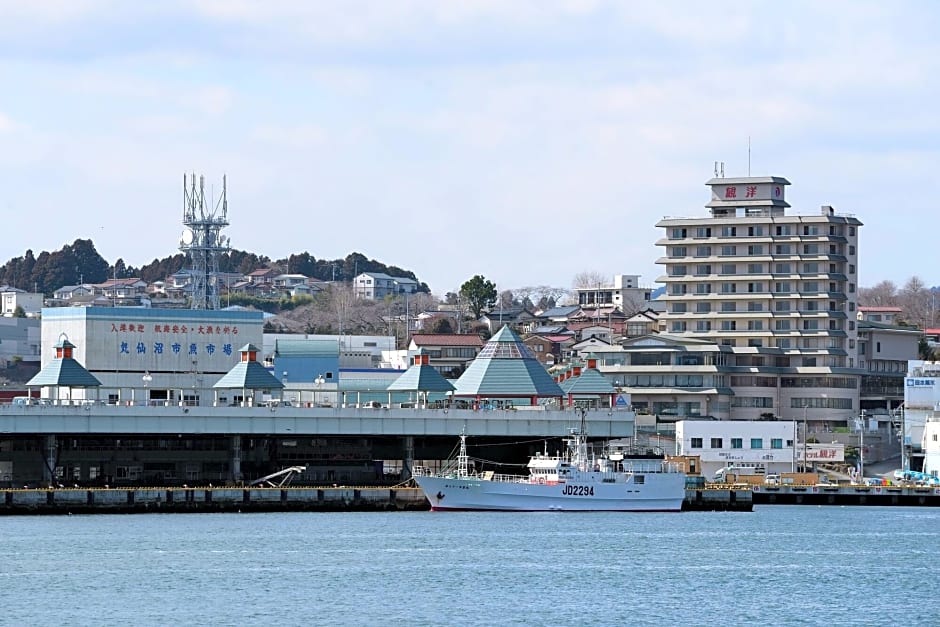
202, 240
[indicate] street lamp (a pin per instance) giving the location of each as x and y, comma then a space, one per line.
319, 381
146, 379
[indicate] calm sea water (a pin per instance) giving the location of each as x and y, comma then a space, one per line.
778, 565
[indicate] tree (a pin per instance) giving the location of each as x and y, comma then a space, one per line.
917, 302
19, 312
442, 325
884, 294
479, 293
588, 278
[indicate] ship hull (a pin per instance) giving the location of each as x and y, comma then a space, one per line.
660, 493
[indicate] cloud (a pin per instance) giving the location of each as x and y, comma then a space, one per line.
6, 123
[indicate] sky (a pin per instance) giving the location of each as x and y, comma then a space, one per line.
525, 140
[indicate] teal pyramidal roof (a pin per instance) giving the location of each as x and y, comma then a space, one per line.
421, 378
589, 382
64, 372
506, 367
248, 374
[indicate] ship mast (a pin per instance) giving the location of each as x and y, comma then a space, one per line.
462, 459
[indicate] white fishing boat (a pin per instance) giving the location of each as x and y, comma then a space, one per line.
577, 480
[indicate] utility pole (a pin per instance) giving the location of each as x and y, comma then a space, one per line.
861, 449
804, 436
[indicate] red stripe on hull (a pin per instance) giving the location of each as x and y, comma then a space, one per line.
556, 511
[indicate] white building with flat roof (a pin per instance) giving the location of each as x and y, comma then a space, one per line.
182, 351
756, 447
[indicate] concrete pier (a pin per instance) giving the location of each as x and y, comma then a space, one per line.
890, 495
178, 500
240, 499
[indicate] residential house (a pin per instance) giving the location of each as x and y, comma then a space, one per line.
549, 348
625, 294
886, 315
449, 353
378, 285
516, 317
11, 298
67, 293
262, 275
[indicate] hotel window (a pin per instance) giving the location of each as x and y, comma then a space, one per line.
678, 308
728, 268
737, 443
703, 307
756, 249
782, 249
782, 287
755, 268
703, 270
783, 230
678, 327
729, 288
782, 325
851, 250
728, 325
757, 443
755, 306
703, 288
782, 268
810, 230
755, 325
678, 234
851, 269
851, 230
729, 231
729, 307
755, 231
696, 443
678, 270
810, 268
729, 251
717, 443
703, 231
783, 343
703, 251
811, 287
776, 443
810, 249
678, 290
678, 251
755, 287
703, 325
783, 305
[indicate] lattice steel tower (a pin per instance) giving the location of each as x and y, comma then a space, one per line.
202, 240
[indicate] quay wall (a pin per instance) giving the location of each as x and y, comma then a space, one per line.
891, 495
174, 500
192, 500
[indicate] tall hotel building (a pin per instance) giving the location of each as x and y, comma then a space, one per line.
760, 312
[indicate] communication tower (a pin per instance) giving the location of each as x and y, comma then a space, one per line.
202, 240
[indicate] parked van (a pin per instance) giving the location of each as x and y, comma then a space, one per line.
30, 400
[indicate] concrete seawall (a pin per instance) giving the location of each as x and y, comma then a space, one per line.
171, 500
340, 499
